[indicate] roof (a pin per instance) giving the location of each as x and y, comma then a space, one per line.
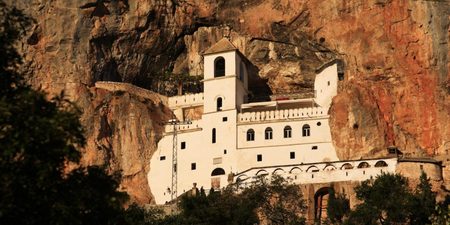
224, 45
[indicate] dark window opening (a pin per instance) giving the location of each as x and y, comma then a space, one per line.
292, 155
287, 132
319, 124
329, 83
218, 172
193, 166
314, 147
219, 104
219, 67
306, 130
183, 145
341, 76
225, 152
268, 133
259, 157
162, 158
224, 119
250, 135
214, 135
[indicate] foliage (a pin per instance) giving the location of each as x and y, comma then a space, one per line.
441, 214
386, 200
39, 139
279, 202
168, 83
338, 207
424, 201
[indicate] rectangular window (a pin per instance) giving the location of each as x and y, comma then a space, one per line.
183, 145
193, 166
314, 147
214, 135
224, 119
224, 151
162, 158
292, 155
259, 157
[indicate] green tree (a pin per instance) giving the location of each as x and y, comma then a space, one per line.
423, 201
278, 201
38, 139
338, 207
385, 200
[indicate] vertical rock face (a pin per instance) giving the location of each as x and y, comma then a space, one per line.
396, 87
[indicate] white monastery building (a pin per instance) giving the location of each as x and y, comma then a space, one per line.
235, 140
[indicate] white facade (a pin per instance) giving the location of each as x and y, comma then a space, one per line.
221, 146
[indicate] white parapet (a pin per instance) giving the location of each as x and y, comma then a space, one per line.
186, 126
323, 172
188, 100
282, 114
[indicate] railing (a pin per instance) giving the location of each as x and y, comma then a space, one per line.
282, 114
323, 172
183, 100
195, 124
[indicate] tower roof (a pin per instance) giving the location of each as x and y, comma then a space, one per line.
224, 45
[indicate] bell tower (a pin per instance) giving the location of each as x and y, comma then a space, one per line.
225, 77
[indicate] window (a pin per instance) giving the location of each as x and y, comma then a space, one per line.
318, 124
224, 119
193, 166
224, 151
183, 145
162, 158
259, 157
287, 132
292, 155
219, 104
250, 135
219, 67
314, 147
328, 83
268, 133
306, 130
214, 135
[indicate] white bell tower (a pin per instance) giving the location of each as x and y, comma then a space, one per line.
225, 77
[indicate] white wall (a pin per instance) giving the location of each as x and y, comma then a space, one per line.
325, 85
230, 64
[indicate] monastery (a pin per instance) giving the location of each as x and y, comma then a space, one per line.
236, 140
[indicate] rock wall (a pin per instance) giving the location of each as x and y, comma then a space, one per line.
395, 55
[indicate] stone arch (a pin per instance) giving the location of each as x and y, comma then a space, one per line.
381, 163
363, 165
329, 167
296, 170
346, 166
219, 67
312, 169
261, 173
320, 204
278, 171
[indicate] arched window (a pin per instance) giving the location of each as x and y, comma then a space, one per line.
217, 172
287, 132
214, 135
306, 130
346, 166
364, 165
250, 135
268, 133
219, 67
219, 104
381, 164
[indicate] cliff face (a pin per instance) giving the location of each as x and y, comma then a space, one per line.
396, 87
